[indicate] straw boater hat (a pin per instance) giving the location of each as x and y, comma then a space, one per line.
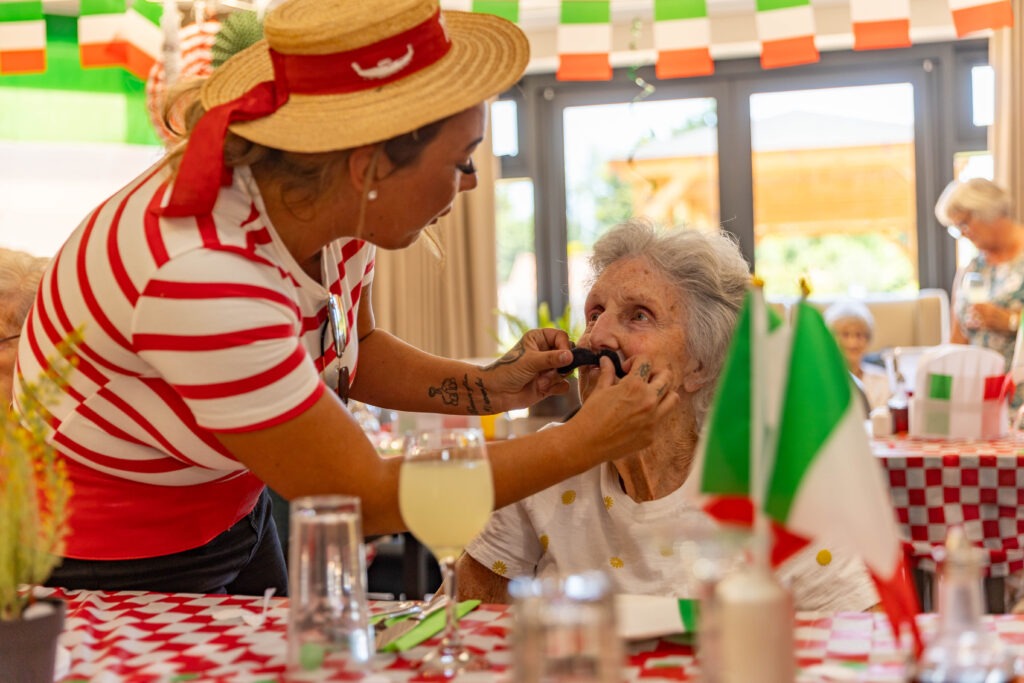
336, 74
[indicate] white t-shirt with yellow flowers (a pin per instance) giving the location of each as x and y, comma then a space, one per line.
588, 522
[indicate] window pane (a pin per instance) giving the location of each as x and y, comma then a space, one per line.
983, 95
834, 189
653, 159
505, 128
517, 263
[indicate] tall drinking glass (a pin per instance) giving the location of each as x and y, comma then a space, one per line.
445, 494
975, 288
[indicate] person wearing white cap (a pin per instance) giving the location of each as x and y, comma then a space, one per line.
222, 291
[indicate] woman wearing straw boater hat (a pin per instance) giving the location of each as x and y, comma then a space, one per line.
224, 302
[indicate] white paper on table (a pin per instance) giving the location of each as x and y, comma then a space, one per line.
638, 617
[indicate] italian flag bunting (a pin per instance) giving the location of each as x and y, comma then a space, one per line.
584, 41
143, 36
976, 15
506, 9
880, 24
682, 37
22, 37
99, 33
111, 34
786, 30
823, 481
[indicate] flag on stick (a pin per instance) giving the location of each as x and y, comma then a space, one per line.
823, 480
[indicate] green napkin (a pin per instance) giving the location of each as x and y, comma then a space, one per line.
430, 626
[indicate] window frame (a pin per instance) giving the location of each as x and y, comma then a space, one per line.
939, 73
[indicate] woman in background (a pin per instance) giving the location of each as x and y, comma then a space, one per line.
988, 293
852, 324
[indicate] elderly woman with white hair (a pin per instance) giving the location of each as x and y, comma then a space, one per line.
986, 313
852, 324
673, 296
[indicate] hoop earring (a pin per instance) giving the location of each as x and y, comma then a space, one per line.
371, 195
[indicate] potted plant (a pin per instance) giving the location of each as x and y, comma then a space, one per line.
552, 406
34, 494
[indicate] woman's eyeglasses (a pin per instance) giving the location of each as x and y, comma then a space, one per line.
337, 325
957, 230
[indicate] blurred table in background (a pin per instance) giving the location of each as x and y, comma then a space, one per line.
976, 484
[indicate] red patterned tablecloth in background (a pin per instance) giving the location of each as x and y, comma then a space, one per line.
976, 484
150, 637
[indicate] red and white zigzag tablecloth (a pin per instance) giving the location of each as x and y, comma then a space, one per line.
150, 637
976, 484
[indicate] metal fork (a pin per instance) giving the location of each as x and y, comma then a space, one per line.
387, 635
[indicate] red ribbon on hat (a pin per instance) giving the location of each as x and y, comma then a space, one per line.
202, 171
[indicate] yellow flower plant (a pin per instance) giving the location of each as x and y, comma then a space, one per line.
34, 490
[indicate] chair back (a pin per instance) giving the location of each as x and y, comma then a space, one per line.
959, 392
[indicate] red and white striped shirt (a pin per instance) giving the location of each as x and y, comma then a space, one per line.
190, 326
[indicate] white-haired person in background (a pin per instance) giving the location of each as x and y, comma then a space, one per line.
853, 326
988, 293
672, 295
224, 298
20, 273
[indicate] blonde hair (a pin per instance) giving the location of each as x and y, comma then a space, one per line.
981, 198
20, 274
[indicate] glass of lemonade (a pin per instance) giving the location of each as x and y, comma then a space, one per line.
445, 494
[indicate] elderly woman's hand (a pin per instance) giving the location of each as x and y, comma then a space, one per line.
528, 371
988, 316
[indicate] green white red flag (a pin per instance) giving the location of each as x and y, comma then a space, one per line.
823, 481
970, 16
682, 37
786, 30
506, 9
111, 34
880, 24
22, 37
584, 41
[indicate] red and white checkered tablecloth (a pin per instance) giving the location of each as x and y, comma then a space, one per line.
142, 637
976, 484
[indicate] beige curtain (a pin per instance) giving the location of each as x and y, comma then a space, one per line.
1006, 135
447, 308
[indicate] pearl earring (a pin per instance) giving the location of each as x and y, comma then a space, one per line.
371, 195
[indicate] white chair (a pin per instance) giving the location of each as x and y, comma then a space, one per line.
960, 392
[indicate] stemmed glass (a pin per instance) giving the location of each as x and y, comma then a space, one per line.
445, 494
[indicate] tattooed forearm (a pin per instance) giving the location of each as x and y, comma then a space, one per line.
486, 397
471, 409
449, 392
514, 354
